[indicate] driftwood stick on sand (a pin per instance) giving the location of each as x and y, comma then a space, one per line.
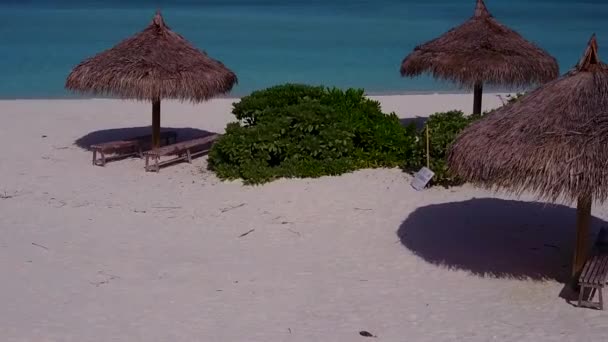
41, 246
7, 196
247, 233
295, 232
223, 210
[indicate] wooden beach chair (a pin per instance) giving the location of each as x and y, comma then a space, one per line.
184, 151
118, 148
125, 148
594, 276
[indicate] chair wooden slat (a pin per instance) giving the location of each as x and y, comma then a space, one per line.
184, 150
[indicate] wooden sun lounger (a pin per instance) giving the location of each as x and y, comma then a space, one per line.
125, 148
184, 150
594, 277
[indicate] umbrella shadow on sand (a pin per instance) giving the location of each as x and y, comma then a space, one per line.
496, 238
114, 134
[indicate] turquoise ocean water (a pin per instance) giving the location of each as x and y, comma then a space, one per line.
346, 43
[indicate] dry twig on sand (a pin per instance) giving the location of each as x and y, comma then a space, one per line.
41, 246
223, 210
7, 196
295, 232
247, 233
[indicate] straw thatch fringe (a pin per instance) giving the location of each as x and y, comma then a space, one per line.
482, 50
155, 63
553, 142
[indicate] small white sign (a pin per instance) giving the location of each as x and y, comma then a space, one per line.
422, 178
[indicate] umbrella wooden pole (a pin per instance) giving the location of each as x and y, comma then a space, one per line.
477, 92
583, 221
428, 149
156, 123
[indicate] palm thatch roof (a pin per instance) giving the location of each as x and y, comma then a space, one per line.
553, 142
155, 63
482, 50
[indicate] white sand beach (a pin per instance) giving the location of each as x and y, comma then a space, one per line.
114, 253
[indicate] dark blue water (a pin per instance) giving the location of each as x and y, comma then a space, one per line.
355, 43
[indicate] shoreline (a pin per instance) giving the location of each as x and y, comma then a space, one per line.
368, 94
215, 113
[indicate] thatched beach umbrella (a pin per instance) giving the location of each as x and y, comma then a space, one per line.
553, 142
482, 51
154, 64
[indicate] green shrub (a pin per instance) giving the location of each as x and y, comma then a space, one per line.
252, 107
304, 131
443, 130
